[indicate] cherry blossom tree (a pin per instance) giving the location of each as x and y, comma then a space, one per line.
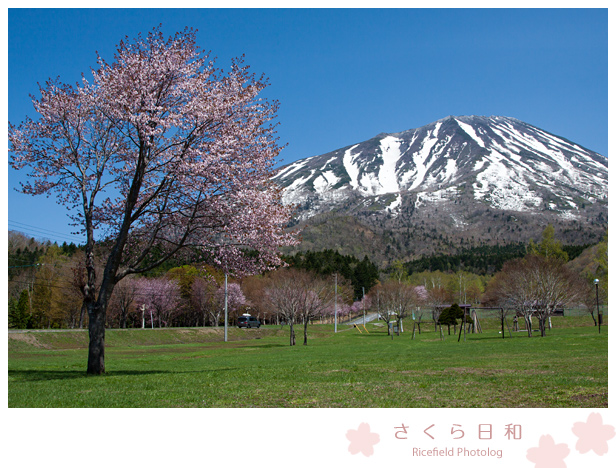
437, 296
534, 285
254, 290
341, 305
396, 301
123, 299
161, 298
342, 309
299, 296
282, 296
235, 299
202, 299
358, 307
316, 295
159, 154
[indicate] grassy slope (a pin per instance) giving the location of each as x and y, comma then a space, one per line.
194, 368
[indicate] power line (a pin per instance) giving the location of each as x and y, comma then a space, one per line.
45, 232
41, 235
39, 228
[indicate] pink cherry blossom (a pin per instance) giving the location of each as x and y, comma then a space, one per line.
362, 440
548, 454
159, 153
593, 434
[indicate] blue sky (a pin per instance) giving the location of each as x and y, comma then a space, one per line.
344, 75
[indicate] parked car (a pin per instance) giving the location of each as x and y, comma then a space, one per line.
248, 322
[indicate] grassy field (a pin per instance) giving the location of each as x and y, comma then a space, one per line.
257, 368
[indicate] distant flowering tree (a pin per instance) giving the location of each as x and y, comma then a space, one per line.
317, 294
202, 299
161, 297
123, 299
235, 299
396, 301
338, 308
281, 296
437, 296
358, 307
160, 152
535, 286
299, 296
342, 309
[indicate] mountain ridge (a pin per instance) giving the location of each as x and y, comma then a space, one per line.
457, 176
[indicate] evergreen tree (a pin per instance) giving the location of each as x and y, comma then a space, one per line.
19, 312
450, 315
362, 274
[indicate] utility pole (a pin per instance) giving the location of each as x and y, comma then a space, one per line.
363, 303
226, 308
598, 311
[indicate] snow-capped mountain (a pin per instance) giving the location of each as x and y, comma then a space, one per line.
445, 172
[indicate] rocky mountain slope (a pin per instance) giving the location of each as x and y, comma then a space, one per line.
457, 182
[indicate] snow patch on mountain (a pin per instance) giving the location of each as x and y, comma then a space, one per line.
416, 177
351, 168
504, 187
451, 168
394, 206
498, 161
458, 221
292, 168
390, 152
370, 184
325, 181
470, 131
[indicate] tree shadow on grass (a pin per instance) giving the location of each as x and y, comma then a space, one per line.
271, 345
42, 375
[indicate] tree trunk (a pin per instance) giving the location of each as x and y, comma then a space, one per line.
123, 316
292, 334
542, 326
305, 332
82, 314
96, 349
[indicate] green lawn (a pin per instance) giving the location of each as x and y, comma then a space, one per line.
257, 368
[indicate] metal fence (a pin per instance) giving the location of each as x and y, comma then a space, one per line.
482, 313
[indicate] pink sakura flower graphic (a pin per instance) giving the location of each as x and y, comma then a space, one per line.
548, 454
362, 440
593, 434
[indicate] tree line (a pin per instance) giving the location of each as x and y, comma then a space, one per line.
46, 284
48, 293
363, 274
481, 260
